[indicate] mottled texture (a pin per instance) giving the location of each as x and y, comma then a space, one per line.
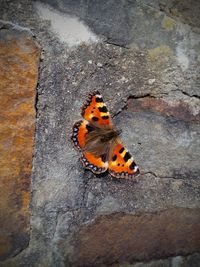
19, 57
173, 128
179, 109
125, 237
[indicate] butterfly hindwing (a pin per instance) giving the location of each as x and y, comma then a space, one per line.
80, 129
121, 163
95, 110
94, 163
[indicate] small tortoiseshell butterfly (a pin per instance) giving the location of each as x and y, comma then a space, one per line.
99, 141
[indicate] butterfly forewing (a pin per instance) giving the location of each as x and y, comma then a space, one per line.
95, 110
94, 163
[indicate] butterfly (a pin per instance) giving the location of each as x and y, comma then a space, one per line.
99, 142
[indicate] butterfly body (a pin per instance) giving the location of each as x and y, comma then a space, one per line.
99, 141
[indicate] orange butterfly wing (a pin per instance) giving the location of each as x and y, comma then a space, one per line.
95, 164
95, 110
121, 163
80, 129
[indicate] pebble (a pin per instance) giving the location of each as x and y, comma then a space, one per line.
151, 81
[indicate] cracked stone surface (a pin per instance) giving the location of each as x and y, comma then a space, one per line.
147, 68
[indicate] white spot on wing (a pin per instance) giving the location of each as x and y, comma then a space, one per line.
85, 122
99, 96
135, 168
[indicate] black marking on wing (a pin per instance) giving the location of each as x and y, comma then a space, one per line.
95, 118
127, 156
114, 157
74, 136
105, 117
88, 102
99, 99
89, 128
92, 167
103, 109
132, 165
121, 150
125, 175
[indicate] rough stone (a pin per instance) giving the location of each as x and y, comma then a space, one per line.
127, 238
179, 109
19, 57
178, 261
173, 129
149, 79
186, 11
124, 22
106, 18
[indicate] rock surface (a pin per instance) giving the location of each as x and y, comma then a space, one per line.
147, 70
125, 237
19, 58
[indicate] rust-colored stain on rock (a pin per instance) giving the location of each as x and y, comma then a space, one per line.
19, 59
119, 237
180, 110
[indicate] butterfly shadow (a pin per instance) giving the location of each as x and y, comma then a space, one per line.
106, 176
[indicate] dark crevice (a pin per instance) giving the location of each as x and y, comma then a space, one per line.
119, 111
161, 177
116, 44
36, 116
36, 101
132, 97
149, 172
40, 69
141, 96
185, 93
